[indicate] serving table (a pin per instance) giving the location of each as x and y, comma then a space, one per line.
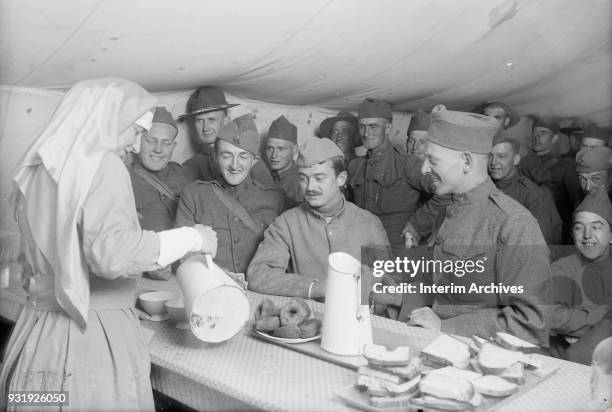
246, 373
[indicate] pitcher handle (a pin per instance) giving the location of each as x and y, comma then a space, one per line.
209, 260
359, 310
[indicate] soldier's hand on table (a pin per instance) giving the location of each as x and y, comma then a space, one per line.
164, 273
318, 290
410, 235
426, 318
209, 239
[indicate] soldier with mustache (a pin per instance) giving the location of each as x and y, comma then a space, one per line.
292, 259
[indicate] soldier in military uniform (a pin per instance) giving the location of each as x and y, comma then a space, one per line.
207, 106
417, 133
574, 132
481, 224
281, 150
389, 183
563, 183
157, 182
583, 283
343, 130
593, 137
292, 260
503, 159
236, 206
503, 113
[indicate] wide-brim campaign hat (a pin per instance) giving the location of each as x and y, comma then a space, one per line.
510, 112
328, 124
206, 99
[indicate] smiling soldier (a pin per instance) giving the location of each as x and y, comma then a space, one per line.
481, 224
236, 206
504, 156
158, 182
583, 282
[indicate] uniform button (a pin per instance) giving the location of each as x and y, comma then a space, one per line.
235, 219
238, 262
330, 233
236, 239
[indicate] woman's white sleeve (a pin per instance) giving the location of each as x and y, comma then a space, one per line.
175, 243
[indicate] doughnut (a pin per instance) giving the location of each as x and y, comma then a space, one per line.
287, 332
295, 311
266, 309
267, 324
309, 328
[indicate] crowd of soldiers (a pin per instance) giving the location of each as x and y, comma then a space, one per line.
461, 188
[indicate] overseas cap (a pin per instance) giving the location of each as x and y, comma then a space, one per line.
281, 128
503, 136
420, 121
510, 112
546, 121
462, 131
593, 160
206, 99
597, 202
315, 151
372, 108
163, 119
241, 132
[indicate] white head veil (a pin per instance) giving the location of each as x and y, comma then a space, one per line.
55, 176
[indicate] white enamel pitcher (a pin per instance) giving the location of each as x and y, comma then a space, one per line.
346, 322
217, 308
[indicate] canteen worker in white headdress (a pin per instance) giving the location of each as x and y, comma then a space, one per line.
83, 249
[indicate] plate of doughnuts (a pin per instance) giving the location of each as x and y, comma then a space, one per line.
292, 323
286, 340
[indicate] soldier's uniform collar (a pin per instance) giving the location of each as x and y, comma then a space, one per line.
292, 169
234, 190
207, 149
509, 180
328, 217
480, 192
381, 151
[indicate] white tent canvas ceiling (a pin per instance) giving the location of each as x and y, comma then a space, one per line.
538, 55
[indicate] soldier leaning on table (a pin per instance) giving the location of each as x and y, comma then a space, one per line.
480, 223
389, 183
157, 182
236, 206
292, 259
207, 106
583, 283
